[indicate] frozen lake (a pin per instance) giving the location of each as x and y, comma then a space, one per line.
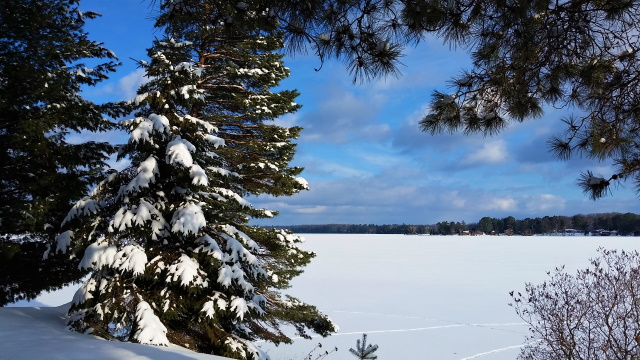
430, 297
423, 297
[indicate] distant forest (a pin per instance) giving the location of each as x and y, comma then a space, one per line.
602, 224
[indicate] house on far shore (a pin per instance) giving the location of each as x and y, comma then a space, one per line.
603, 232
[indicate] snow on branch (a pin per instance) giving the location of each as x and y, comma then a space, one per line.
289, 238
188, 219
231, 230
302, 181
217, 301
216, 141
63, 241
198, 175
241, 347
131, 258
236, 345
143, 128
147, 172
188, 90
257, 352
122, 220
150, 330
179, 152
86, 206
187, 271
230, 194
223, 172
189, 67
139, 215
84, 292
210, 246
205, 124
227, 274
98, 254
240, 306
102, 183
237, 251
147, 212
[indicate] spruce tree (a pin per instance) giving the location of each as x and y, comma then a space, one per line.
43, 66
168, 240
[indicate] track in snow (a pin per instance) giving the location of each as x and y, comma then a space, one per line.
452, 324
494, 351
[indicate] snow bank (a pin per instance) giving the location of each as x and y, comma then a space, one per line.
40, 333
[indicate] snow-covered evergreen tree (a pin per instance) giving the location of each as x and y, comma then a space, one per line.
174, 259
45, 59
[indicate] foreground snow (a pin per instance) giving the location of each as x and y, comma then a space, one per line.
417, 297
430, 297
40, 333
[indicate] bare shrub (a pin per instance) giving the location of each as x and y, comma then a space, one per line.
592, 315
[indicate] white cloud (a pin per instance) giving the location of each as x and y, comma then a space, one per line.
404, 82
341, 117
544, 203
125, 88
310, 210
388, 199
456, 200
502, 204
287, 120
376, 131
379, 158
322, 167
129, 84
343, 171
493, 152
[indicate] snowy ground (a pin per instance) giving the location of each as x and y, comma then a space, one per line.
38, 333
430, 297
417, 297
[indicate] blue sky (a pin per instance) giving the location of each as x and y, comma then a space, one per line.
363, 154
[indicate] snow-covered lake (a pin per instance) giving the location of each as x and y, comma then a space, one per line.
431, 297
425, 297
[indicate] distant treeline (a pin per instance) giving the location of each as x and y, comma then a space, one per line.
355, 229
622, 224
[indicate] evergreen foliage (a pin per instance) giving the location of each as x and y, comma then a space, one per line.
43, 66
167, 239
42, 49
621, 224
364, 351
23, 274
485, 225
531, 54
527, 55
